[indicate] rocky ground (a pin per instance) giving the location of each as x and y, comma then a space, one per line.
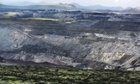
76, 39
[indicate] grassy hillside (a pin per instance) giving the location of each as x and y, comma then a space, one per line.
45, 75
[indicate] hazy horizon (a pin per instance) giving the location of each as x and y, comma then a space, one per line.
109, 3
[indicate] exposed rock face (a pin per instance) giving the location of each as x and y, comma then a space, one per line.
132, 10
12, 38
85, 50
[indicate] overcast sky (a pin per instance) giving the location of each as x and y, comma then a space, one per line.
122, 3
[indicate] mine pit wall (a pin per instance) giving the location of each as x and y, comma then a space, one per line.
100, 53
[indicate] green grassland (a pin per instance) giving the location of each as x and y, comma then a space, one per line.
45, 75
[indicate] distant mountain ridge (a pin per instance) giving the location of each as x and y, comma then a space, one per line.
59, 6
63, 6
97, 7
